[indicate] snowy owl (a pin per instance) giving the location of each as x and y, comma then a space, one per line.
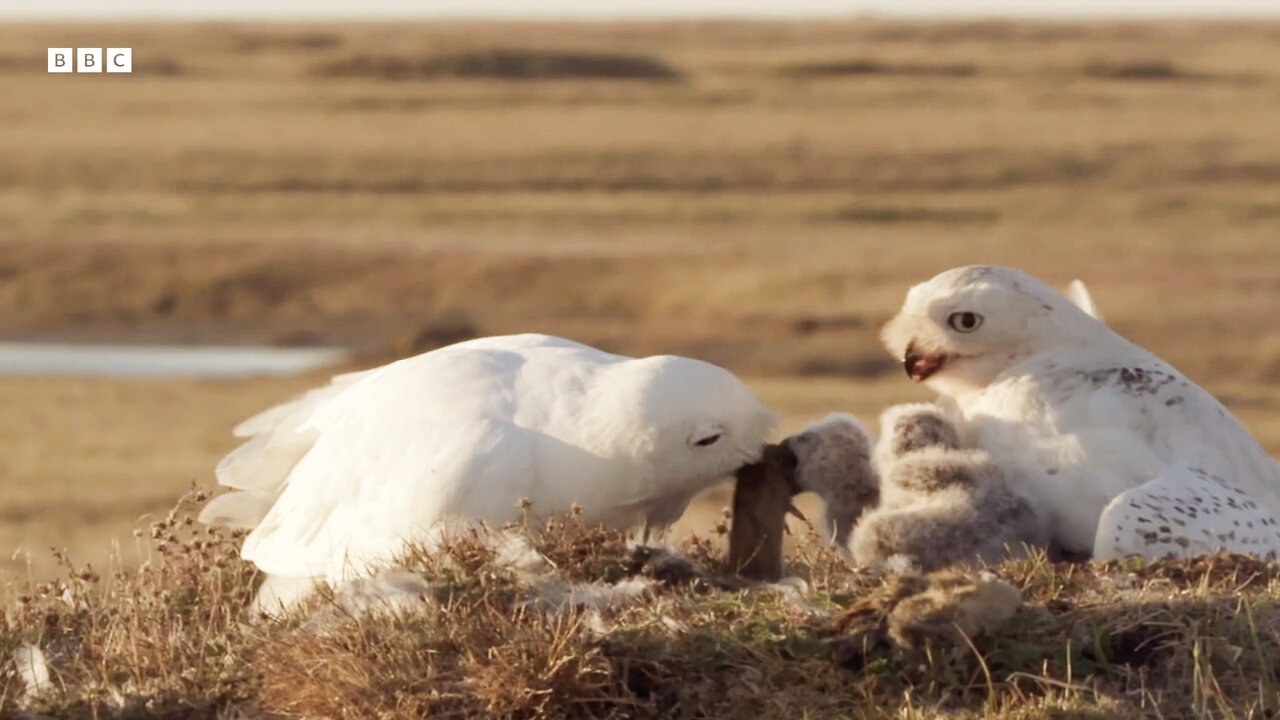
834, 461
1115, 448
940, 504
340, 479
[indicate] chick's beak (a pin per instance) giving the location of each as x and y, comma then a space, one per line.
921, 366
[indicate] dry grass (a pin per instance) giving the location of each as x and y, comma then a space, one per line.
1181, 639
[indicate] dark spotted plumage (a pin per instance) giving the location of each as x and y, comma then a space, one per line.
1188, 517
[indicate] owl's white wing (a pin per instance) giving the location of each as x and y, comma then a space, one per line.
257, 470
388, 456
1081, 428
272, 418
1185, 512
348, 472
366, 488
1171, 443
1189, 428
1181, 423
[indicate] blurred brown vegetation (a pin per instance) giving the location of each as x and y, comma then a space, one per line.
756, 194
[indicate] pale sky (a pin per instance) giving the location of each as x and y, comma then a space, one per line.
622, 9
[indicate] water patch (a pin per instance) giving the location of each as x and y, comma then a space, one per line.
161, 360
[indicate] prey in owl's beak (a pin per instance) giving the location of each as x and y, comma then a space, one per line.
762, 498
921, 366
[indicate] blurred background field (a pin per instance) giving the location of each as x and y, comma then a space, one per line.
758, 194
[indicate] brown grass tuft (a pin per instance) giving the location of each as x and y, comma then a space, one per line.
172, 640
165, 639
865, 213
300, 41
865, 67
503, 65
1135, 70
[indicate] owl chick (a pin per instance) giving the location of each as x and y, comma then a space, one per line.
940, 504
910, 427
834, 460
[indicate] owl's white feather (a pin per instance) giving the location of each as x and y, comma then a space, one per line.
33, 670
1084, 418
340, 479
1080, 296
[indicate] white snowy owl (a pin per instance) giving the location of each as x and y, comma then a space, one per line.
1117, 449
341, 478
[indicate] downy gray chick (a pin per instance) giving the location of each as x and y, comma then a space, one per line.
940, 504
834, 460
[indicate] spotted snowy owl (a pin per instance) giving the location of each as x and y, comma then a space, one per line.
1117, 449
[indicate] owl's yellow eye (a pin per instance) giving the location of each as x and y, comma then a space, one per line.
964, 322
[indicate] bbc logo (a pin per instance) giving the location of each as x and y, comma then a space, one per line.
91, 60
